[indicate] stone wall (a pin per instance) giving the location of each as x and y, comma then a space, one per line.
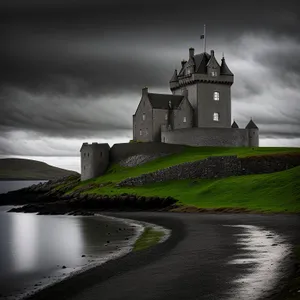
268, 163
218, 167
119, 152
211, 167
222, 137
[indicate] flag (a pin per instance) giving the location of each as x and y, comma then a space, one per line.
202, 37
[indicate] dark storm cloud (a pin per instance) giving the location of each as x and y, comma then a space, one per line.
76, 68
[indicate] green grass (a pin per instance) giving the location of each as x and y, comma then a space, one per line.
274, 192
148, 238
117, 173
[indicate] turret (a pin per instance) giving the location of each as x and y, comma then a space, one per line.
234, 125
224, 68
174, 81
253, 134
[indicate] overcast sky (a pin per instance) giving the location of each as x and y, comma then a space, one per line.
72, 71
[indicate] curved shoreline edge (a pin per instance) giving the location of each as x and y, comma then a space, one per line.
132, 260
123, 251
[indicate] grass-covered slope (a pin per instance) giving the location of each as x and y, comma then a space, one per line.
117, 173
26, 169
275, 192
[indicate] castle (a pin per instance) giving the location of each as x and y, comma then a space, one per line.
197, 113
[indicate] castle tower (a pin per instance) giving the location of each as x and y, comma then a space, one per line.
209, 88
253, 134
94, 160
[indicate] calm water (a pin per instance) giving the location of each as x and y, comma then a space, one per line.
11, 185
35, 249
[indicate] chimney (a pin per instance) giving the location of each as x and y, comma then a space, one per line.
145, 91
212, 52
183, 63
191, 52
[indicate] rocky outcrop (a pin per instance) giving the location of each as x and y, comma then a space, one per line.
139, 159
42, 192
85, 204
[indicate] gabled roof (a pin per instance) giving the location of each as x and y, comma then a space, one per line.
161, 101
251, 125
234, 125
224, 68
200, 62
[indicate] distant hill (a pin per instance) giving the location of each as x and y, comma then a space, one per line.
27, 169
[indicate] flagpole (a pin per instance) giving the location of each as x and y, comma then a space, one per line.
204, 32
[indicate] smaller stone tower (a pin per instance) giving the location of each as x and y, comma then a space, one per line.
94, 160
253, 134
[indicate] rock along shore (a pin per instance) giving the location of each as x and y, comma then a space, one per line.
53, 197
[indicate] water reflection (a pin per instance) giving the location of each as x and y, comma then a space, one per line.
24, 242
263, 256
35, 248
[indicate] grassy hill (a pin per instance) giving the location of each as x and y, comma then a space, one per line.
116, 173
275, 192
26, 169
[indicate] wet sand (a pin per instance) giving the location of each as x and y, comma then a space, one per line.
224, 256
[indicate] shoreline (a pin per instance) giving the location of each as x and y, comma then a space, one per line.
122, 250
133, 261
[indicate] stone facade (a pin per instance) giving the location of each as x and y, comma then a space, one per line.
205, 88
225, 137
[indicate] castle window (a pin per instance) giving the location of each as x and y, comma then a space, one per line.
146, 131
83, 167
184, 119
84, 154
216, 116
144, 117
88, 154
216, 96
166, 116
214, 73
100, 154
140, 131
